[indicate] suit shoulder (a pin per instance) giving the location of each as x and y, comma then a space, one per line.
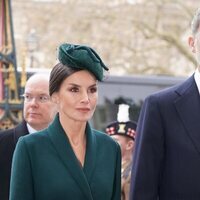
170, 92
6, 134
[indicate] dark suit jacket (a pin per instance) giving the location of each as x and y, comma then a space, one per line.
8, 140
167, 154
46, 168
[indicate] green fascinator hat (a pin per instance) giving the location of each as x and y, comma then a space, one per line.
81, 57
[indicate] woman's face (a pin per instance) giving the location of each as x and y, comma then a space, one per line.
77, 96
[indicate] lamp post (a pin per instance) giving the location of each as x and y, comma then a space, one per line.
32, 45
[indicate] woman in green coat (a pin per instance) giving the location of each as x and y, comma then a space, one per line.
69, 160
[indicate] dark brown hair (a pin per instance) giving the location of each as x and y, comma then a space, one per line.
58, 74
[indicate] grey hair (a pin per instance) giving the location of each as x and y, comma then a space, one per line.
195, 22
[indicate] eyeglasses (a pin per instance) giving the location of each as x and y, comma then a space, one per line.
40, 98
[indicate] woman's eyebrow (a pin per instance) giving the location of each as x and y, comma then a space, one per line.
74, 84
94, 85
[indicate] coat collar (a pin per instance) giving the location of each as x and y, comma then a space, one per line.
20, 130
188, 107
61, 144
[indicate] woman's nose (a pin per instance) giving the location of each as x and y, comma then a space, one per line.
85, 97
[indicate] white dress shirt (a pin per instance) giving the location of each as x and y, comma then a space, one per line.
30, 129
197, 79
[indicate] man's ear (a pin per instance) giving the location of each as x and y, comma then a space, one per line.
130, 144
191, 42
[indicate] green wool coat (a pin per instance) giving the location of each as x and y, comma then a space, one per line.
45, 167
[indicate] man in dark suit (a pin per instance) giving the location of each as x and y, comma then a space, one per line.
38, 112
166, 162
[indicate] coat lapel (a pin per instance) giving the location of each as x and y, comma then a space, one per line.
188, 108
90, 156
66, 154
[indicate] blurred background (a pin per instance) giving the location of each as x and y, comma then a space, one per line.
143, 42
133, 36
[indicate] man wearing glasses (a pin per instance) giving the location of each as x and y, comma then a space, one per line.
38, 113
